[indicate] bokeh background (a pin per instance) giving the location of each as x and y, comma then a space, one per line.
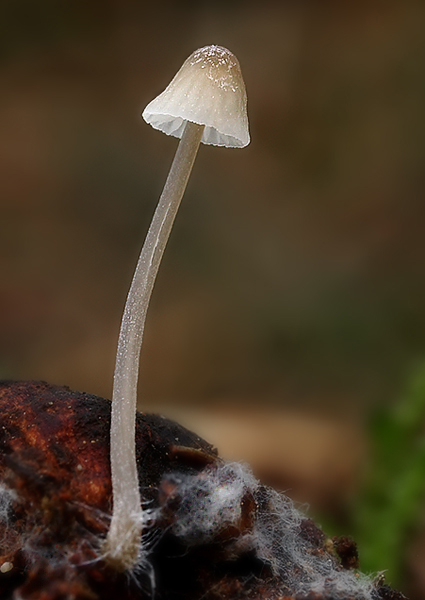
290, 305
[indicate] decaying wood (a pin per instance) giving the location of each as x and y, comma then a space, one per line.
55, 507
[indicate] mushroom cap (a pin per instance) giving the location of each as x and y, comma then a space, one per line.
208, 90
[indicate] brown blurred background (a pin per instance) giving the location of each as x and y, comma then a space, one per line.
293, 282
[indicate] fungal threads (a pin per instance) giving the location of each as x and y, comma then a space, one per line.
226, 503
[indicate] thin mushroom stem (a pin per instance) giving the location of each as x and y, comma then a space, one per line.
123, 543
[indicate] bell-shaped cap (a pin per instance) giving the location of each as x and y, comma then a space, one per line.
208, 90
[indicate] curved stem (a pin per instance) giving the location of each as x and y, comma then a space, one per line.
124, 535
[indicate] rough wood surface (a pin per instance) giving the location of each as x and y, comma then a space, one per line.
55, 506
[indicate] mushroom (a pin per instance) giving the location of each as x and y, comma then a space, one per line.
205, 102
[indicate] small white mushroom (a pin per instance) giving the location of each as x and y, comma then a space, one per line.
208, 90
206, 101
